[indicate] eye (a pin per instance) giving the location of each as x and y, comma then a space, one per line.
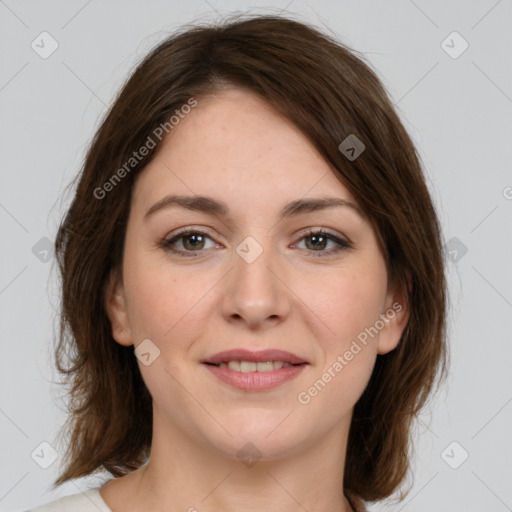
192, 240
319, 240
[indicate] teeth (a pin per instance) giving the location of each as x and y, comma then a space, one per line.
248, 366
252, 366
234, 365
265, 367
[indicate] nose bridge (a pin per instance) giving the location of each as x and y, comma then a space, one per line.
255, 293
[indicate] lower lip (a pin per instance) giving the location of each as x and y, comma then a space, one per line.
256, 381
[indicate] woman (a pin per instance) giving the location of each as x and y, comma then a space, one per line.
253, 289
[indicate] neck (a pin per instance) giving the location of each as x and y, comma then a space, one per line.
187, 473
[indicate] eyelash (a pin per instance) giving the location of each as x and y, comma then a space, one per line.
343, 245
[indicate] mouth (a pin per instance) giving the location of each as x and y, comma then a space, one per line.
253, 366
255, 371
245, 360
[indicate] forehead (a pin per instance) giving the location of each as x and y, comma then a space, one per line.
236, 147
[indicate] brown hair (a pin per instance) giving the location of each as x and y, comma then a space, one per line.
329, 93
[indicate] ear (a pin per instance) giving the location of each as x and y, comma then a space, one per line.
394, 317
115, 304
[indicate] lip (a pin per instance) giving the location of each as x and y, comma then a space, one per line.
255, 381
240, 354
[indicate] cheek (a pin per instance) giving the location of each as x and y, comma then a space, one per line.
166, 307
334, 390
347, 356
346, 313
346, 304
161, 299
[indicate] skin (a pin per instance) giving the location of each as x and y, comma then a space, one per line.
235, 148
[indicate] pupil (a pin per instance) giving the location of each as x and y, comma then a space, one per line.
316, 237
189, 237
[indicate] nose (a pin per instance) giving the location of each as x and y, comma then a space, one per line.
255, 289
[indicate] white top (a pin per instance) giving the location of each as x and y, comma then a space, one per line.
87, 501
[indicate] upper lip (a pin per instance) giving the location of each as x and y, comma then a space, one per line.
240, 354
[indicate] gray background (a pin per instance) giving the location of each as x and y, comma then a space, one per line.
459, 113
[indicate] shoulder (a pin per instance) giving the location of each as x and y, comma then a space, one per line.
86, 501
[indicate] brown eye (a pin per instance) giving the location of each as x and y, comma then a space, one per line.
192, 241
318, 241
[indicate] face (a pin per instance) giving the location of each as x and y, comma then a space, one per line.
250, 278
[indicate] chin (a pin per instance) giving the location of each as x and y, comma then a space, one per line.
253, 437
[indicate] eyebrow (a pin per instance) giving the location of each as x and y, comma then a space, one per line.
211, 206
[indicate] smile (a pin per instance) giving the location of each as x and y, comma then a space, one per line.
252, 366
